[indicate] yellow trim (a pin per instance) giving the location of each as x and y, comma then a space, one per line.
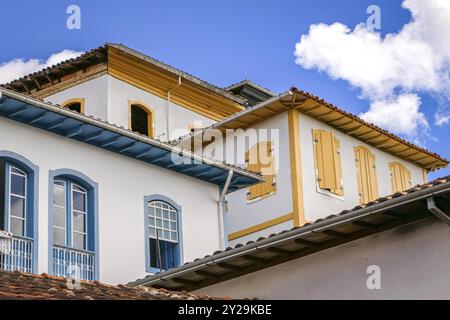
296, 168
158, 81
75, 100
261, 226
150, 116
425, 175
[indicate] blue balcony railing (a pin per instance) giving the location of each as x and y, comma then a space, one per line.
16, 254
77, 264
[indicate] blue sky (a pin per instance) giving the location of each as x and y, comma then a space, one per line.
221, 42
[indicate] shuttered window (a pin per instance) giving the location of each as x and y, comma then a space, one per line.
367, 174
400, 177
328, 161
260, 160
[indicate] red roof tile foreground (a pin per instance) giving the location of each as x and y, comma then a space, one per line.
20, 286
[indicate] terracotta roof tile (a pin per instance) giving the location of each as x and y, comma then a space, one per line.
20, 286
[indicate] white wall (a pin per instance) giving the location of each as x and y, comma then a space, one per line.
120, 92
414, 262
95, 96
107, 98
242, 213
123, 183
318, 205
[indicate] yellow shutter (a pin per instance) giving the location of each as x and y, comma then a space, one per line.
264, 166
367, 174
328, 161
400, 177
338, 167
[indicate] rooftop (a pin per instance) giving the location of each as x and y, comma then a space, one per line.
21, 286
382, 214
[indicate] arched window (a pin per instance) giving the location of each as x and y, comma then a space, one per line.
76, 105
18, 212
141, 119
73, 234
163, 234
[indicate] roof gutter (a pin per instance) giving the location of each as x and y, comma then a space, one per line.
431, 205
127, 133
293, 234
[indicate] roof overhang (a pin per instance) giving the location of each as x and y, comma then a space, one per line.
335, 117
104, 135
383, 214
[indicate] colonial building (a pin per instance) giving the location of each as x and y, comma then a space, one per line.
99, 181
81, 196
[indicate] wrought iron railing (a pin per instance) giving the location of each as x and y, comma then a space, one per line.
16, 253
77, 264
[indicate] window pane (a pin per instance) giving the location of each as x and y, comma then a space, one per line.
166, 234
139, 120
17, 227
59, 237
79, 241
59, 196
173, 216
79, 222
173, 226
17, 206
152, 232
173, 236
158, 223
59, 217
18, 185
151, 211
151, 221
158, 213
166, 214
79, 201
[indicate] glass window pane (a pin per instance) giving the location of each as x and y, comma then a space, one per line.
78, 188
15, 170
173, 215
59, 217
79, 222
152, 233
151, 211
17, 206
59, 237
158, 223
173, 226
59, 196
151, 221
166, 234
59, 183
79, 241
18, 185
79, 201
173, 236
158, 212
17, 227
166, 214
166, 224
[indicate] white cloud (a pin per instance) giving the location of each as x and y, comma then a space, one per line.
390, 71
18, 68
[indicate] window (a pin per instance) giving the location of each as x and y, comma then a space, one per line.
163, 235
76, 105
400, 177
260, 160
73, 225
69, 209
18, 212
16, 198
141, 119
367, 175
327, 151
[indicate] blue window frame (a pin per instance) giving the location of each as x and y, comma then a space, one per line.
73, 225
70, 215
18, 210
163, 234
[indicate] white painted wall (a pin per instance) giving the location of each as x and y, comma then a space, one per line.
414, 262
120, 92
107, 98
94, 92
123, 183
242, 213
316, 203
